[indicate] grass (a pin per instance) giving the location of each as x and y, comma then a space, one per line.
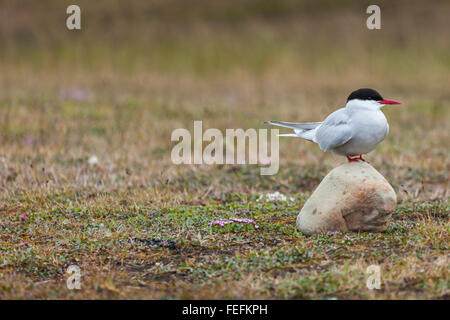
118, 89
238, 261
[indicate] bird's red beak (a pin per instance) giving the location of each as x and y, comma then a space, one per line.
387, 101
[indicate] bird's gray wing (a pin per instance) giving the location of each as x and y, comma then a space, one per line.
334, 131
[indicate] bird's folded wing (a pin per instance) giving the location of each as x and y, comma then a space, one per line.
334, 131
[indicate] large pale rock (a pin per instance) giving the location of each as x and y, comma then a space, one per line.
352, 197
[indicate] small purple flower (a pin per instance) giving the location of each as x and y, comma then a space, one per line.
76, 94
347, 238
22, 244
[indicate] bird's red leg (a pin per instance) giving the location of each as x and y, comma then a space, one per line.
352, 159
361, 158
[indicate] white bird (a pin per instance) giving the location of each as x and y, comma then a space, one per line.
351, 131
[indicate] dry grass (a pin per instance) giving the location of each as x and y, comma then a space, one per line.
120, 87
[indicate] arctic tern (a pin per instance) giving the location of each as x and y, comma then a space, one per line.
351, 131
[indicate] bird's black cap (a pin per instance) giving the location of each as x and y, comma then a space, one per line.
365, 94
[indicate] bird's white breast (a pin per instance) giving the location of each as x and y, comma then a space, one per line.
369, 128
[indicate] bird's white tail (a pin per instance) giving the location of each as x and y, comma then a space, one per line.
304, 130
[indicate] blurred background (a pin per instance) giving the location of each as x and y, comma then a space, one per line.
137, 70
